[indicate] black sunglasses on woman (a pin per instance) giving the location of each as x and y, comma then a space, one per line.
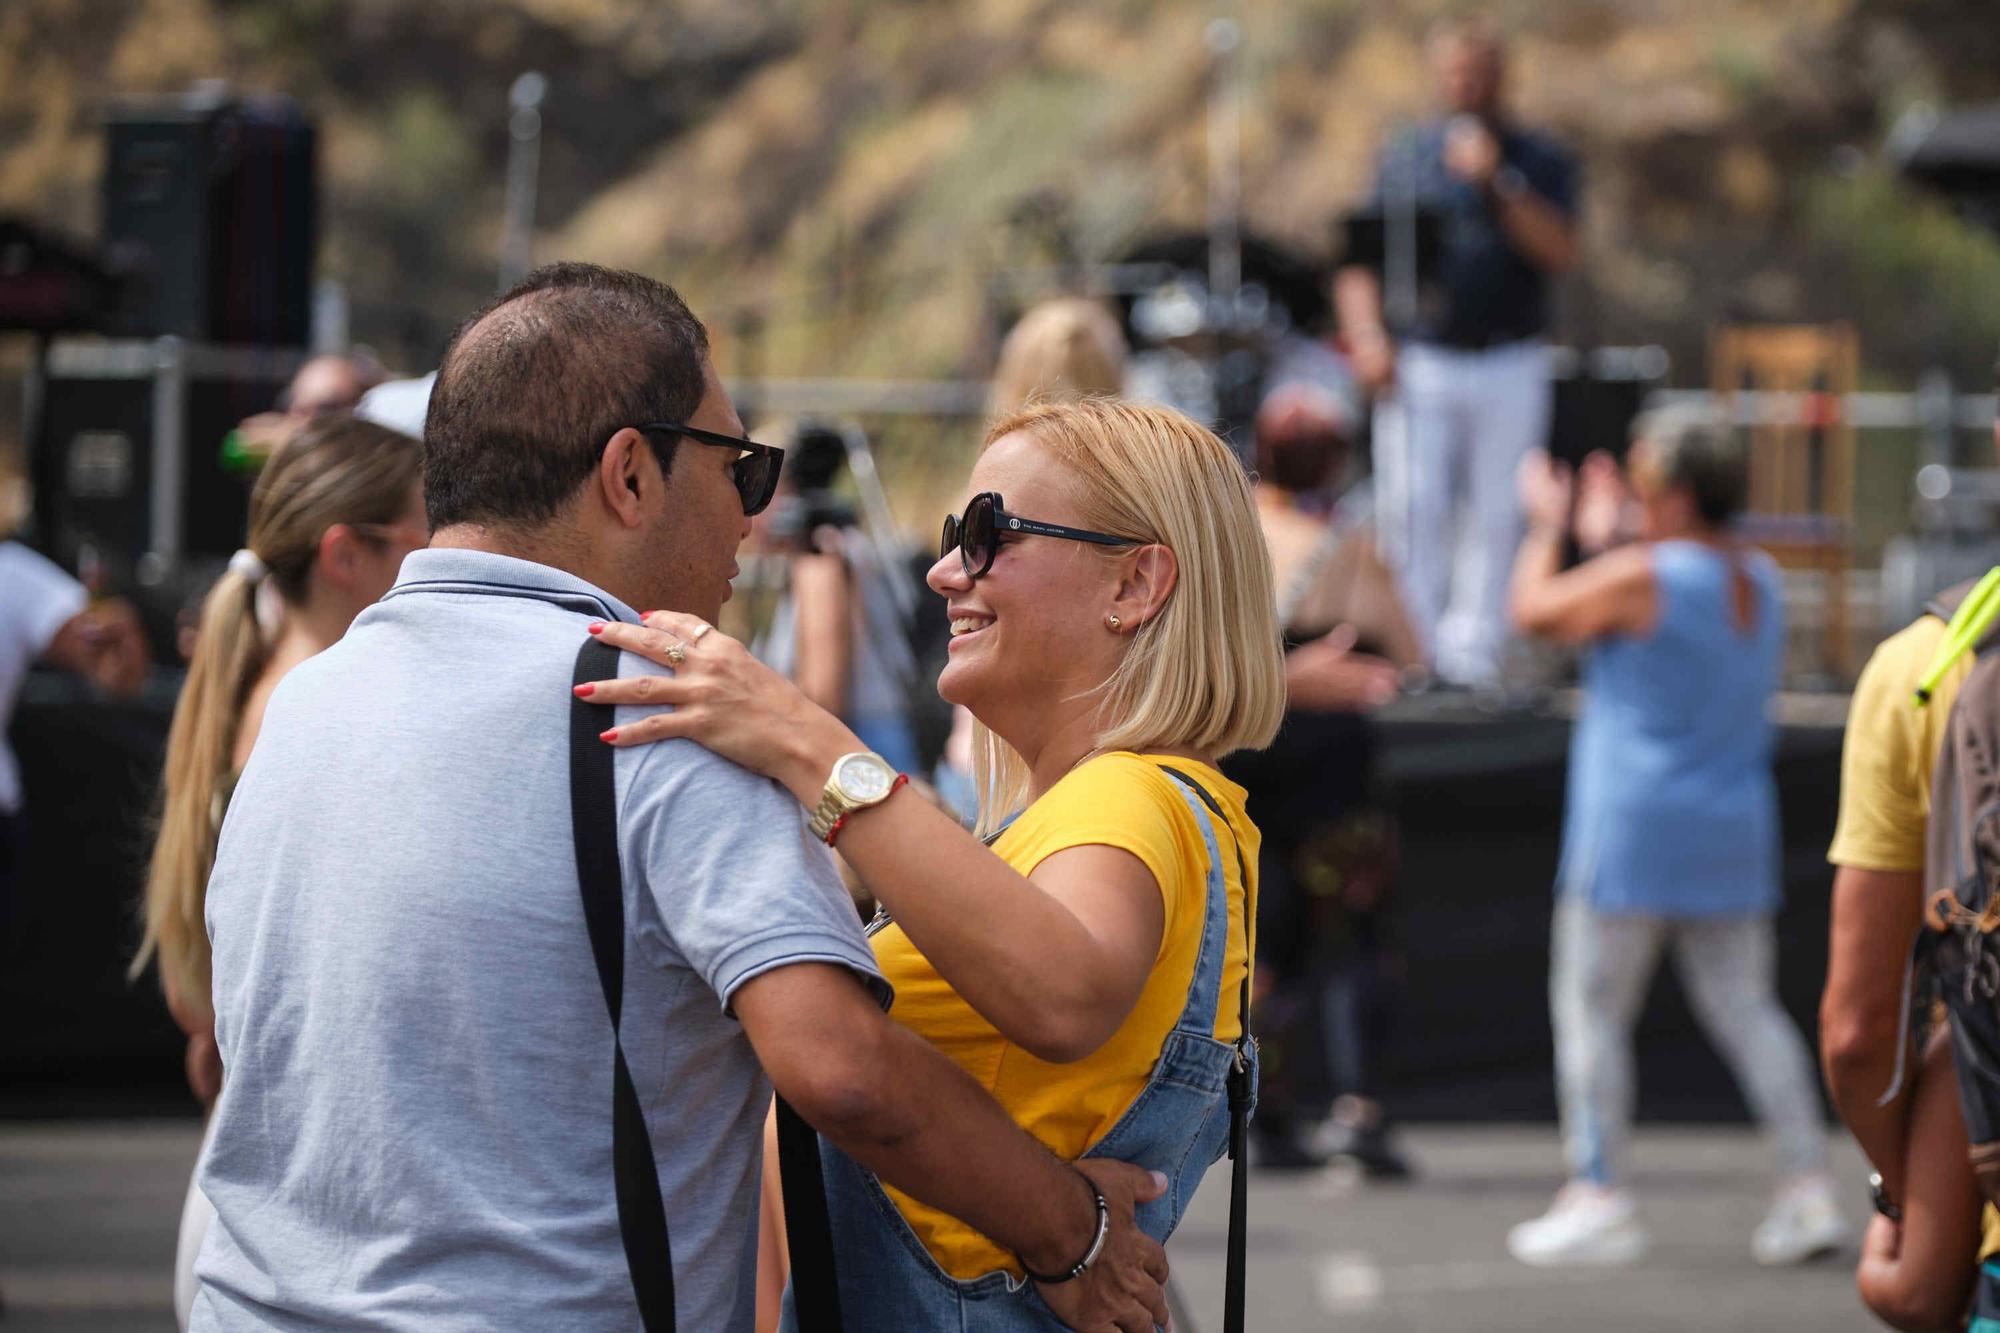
755, 474
975, 535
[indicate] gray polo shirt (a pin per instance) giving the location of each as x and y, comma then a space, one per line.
415, 1125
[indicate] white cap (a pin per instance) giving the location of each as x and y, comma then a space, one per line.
399, 405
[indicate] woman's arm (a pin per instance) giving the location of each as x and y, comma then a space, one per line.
1614, 593
203, 1061
822, 598
1055, 960
1917, 1275
1379, 609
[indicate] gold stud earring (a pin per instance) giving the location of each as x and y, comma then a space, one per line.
1114, 622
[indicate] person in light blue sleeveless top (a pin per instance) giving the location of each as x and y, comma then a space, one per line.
1670, 831
1673, 738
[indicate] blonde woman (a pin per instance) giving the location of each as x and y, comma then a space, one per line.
1114, 633
1058, 352
335, 510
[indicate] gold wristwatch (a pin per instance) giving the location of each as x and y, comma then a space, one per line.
858, 781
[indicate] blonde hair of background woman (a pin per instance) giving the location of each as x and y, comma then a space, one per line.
337, 469
1058, 352
1207, 674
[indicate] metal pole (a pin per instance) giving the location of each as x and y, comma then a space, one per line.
1936, 412
1225, 150
524, 162
878, 523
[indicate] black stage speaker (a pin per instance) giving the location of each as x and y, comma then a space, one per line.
211, 217
129, 476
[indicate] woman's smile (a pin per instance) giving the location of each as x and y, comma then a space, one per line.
965, 624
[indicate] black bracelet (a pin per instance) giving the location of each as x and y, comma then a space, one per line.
1081, 1266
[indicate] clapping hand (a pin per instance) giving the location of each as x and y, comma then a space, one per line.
1545, 486
1602, 504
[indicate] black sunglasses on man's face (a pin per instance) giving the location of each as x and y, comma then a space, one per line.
976, 534
755, 474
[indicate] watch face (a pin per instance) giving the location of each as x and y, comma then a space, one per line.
864, 777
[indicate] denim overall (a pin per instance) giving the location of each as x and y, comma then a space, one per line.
1179, 1126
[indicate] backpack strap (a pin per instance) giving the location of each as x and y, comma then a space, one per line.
593, 802
1945, 604
1241, 1083
1969, 618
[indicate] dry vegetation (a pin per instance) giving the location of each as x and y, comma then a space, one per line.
852, 174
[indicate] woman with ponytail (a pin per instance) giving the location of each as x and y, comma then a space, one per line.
332, 515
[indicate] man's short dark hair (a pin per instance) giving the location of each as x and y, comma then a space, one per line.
534, 383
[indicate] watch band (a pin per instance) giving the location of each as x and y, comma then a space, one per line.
840, 822
829, 810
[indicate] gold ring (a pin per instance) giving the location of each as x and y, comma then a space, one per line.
699, 630
676, 654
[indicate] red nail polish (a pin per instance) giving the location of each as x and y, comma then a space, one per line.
585, 691
596, 627
647, 615
610, 735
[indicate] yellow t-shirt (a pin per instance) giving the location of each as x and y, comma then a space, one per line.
1890, 750
1116, 800
1886, 763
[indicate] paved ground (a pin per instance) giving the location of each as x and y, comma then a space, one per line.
88, 1210
1326, 1253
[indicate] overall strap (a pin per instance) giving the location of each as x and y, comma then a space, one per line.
1205, 990
1241, 1081
642, 1213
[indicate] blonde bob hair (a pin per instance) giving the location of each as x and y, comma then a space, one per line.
1207, 673
1060, 351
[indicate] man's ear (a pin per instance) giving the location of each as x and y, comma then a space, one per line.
1147, 580
625, 471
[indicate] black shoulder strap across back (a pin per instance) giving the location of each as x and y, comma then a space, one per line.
808, 1229
642, 1214
1240, 1088
593, 803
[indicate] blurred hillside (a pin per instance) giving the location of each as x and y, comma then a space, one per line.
853, 174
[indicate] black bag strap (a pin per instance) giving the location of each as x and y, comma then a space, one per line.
808, 1229
1240, 1089
593, 803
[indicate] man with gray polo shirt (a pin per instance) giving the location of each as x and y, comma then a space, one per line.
415, 1127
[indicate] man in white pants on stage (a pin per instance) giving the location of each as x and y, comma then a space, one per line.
1467, 395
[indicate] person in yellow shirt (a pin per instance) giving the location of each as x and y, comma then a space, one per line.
1918, 1258
1114, 633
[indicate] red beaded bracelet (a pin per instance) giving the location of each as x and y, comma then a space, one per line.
833, 829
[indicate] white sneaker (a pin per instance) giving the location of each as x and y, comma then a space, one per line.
1805, 1221
1586, 1225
